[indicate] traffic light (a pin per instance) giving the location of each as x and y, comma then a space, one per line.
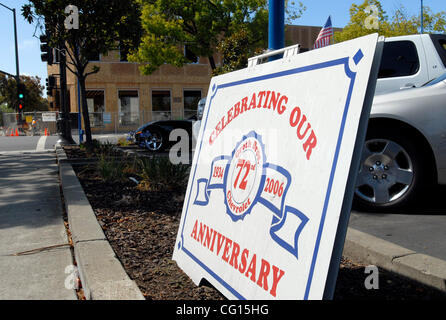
50, 85
47, 51
21, 95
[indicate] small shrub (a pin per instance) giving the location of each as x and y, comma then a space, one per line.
94, 145
131, 167
159, 174
110, 169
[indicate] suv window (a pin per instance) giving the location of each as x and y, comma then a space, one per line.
399, 59
440, 44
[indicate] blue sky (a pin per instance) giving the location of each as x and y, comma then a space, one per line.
29, 46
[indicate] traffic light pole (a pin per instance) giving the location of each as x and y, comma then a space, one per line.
65, 130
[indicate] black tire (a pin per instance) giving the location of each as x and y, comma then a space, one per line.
155, 141
394, 170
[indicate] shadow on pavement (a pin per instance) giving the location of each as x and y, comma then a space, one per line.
432, 203
29, 191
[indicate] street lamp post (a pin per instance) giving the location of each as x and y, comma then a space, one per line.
15, 37
16, 48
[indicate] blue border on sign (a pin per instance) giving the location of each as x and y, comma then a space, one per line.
215, 88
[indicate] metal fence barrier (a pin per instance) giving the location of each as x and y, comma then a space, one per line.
100, 122
34, 123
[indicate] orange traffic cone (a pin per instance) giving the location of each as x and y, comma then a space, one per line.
46, 132
12, 133
16, 132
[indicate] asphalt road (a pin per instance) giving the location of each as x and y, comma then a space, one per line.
36, 143
42, 143
422, 228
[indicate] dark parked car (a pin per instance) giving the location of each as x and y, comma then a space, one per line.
154, 135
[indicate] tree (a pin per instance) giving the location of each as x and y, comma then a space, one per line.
33, 90
202, 26
4, 108
370, 17
235, 50
103, 26
433, 22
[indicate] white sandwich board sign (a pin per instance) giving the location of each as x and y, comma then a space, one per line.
270, 171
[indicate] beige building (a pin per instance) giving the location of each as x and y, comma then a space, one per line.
120, 98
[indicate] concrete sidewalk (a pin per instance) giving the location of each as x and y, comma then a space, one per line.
31, 217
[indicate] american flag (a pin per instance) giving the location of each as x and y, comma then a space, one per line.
324, 37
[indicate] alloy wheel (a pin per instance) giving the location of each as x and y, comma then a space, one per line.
386, 172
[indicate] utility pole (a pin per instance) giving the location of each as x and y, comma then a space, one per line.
422, 17
276, 26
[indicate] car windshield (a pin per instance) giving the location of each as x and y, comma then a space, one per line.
435, 81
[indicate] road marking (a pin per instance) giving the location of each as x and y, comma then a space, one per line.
41, 144
6, 153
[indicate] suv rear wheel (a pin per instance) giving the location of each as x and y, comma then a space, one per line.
393, 171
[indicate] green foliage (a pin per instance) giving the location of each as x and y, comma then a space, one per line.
235, 50
433, 22
92, 147
203, 26
399, 24
159, 174
98, 149
110, 169
4, 108
112, 164
293, 11
33, 100
103, 26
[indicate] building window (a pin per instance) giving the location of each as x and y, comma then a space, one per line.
190, 55
128, 107
191, 99
94, 56
161, 105
161, 100
96, 107
399, 59
123, 52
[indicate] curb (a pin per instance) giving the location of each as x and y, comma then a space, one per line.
101, 272
367, 249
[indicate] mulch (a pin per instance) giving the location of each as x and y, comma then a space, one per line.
141, 227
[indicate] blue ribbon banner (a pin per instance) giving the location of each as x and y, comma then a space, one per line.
246, 179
